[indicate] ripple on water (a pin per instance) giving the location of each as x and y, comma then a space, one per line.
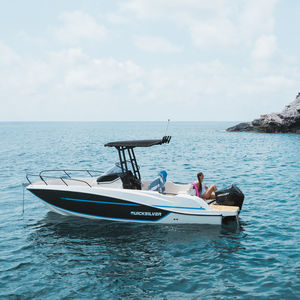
47, 256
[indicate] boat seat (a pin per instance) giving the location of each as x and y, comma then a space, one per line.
130, 181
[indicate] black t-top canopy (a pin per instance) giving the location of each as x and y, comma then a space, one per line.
139, 143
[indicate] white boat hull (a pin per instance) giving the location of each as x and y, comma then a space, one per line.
140, 206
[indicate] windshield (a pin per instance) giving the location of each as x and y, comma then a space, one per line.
116, 168
113, 169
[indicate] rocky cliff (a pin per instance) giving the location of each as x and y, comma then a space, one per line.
287, 121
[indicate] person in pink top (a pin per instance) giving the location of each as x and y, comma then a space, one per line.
202, 190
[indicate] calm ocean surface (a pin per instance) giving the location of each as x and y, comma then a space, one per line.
47, 256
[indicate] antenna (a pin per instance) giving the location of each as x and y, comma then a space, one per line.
167, 126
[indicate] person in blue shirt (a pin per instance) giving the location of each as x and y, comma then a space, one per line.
158, 184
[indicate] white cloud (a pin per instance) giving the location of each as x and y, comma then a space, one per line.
156, 44
105, 74
199, 83
211, 23
174, 8
79, 26
116, 18
256, 17
228, 59
207, 21
7, 55
273, 83
213, 33
19, 75
264, 47
70, 56
72, 76
65, 71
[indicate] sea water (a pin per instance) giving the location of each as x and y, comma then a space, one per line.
44, 255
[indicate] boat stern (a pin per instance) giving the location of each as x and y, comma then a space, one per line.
226, 211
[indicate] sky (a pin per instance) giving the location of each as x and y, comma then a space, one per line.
147, 60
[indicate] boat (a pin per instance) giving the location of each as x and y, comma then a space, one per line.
120, 194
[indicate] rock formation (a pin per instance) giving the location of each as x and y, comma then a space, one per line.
287, 121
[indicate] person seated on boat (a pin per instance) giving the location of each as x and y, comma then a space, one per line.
158, 184
202, 190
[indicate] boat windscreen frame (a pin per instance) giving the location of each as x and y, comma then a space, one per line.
128, 146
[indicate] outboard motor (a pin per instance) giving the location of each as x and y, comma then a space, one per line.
231, 196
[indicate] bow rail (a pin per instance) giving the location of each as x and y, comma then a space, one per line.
43, 175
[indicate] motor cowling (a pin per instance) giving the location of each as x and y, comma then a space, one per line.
231, 196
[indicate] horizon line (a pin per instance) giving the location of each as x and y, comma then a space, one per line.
81, 121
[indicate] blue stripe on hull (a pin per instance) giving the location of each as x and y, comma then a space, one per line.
181, 207
102, 202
